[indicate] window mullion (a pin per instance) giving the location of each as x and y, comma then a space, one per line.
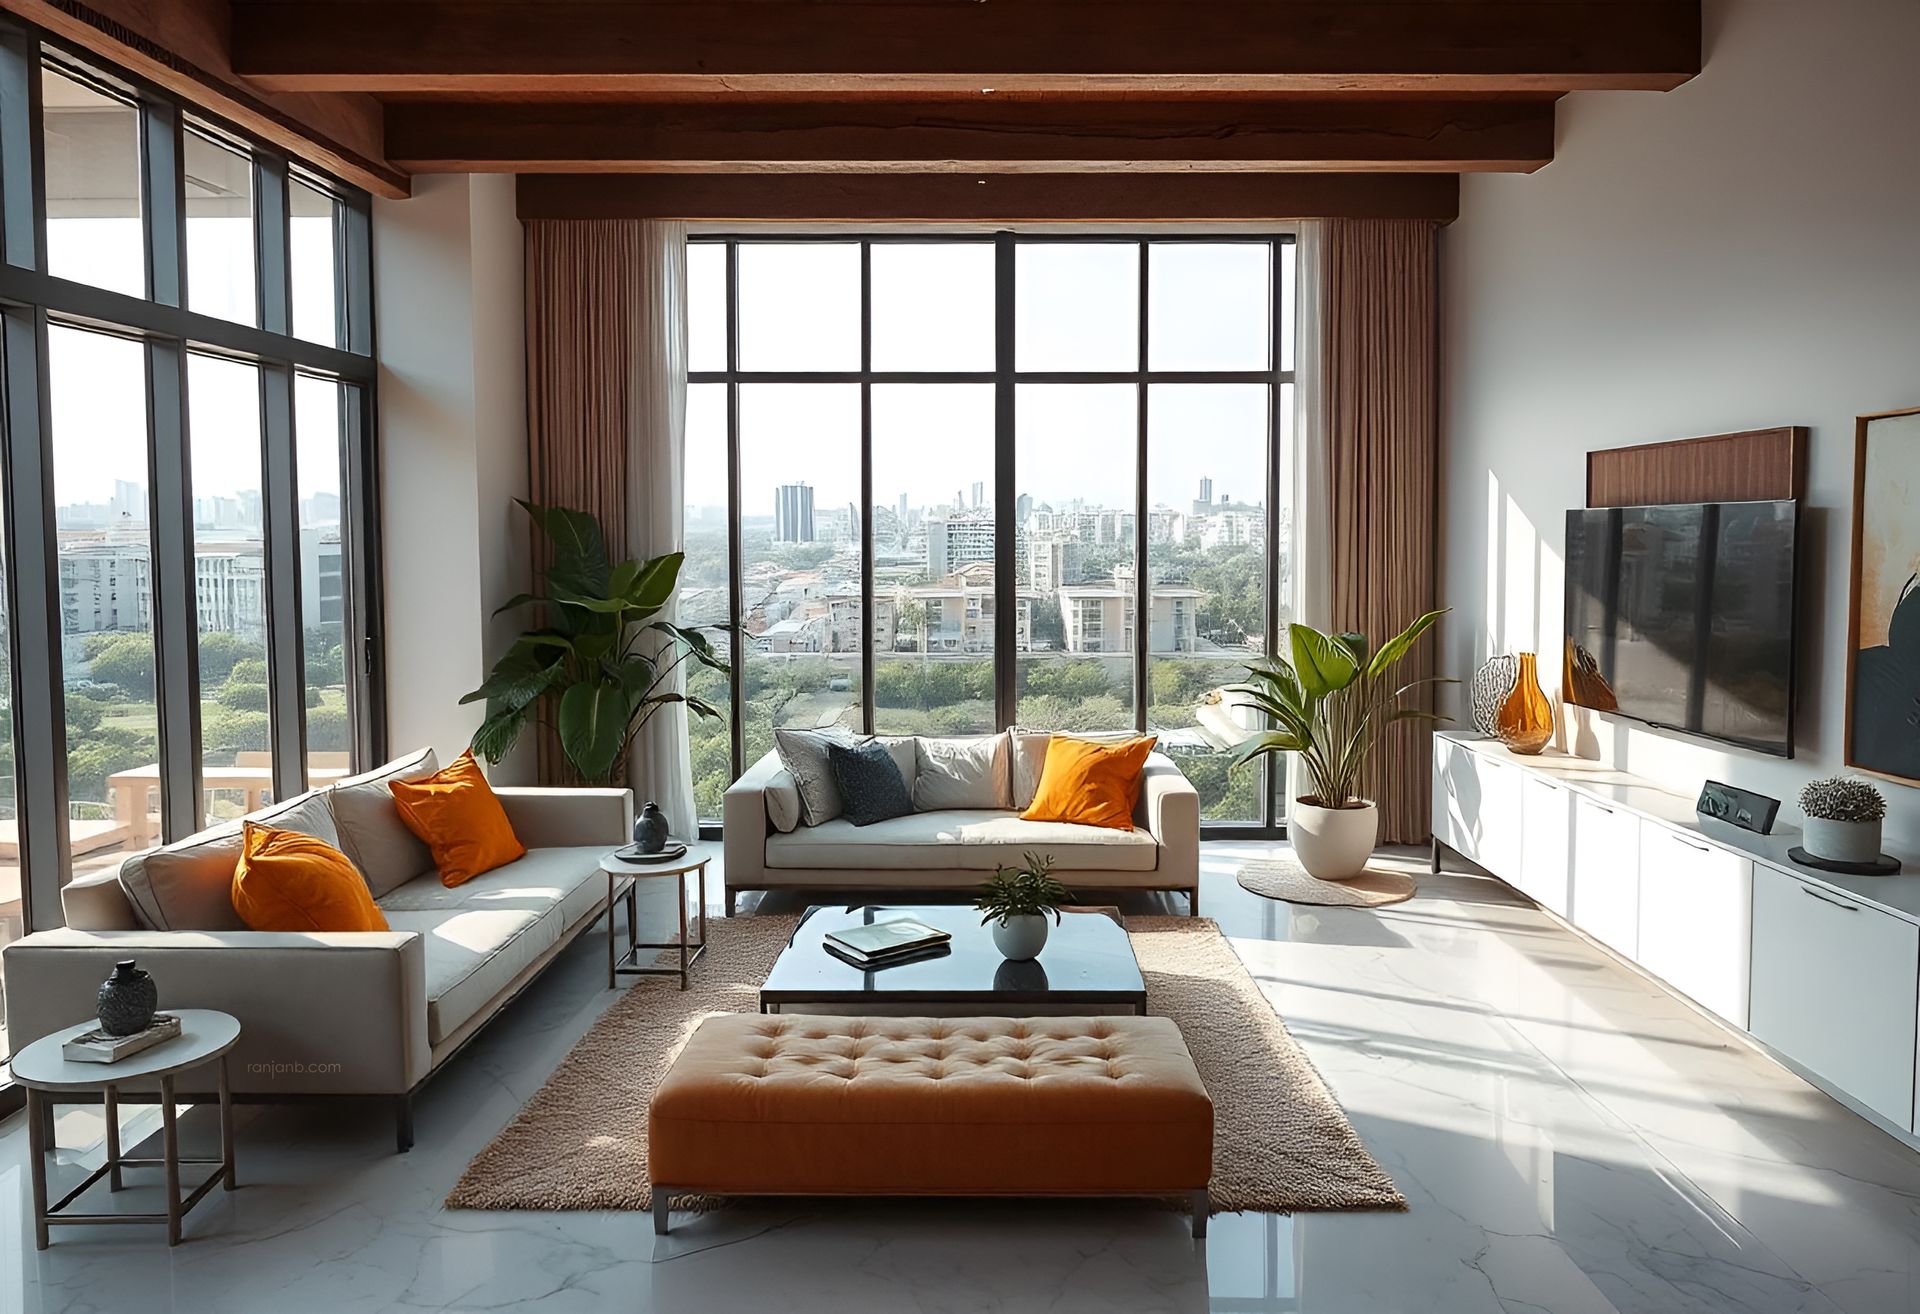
866, 489
175, 601
736, 591
163, 207
1142, 582
1006, 591
271, 240
22, 227
34, 622
286, 664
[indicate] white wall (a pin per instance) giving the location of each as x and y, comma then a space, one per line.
1740, 253
449, 296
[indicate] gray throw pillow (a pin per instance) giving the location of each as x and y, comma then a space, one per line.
963, 773
871, 786
804, 754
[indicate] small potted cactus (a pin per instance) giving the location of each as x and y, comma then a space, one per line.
1843, 820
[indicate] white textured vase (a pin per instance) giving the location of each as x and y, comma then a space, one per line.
1020, 937
1333, 844
1843, 841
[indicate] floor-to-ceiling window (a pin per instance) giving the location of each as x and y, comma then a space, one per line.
949, 483
185, 335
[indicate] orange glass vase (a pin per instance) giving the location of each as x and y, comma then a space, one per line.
1525, 722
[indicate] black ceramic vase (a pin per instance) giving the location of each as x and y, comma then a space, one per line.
650, 828
127, 1000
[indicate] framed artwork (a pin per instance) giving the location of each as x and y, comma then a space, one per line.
1883, 642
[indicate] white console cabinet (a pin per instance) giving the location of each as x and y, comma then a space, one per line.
1822, 969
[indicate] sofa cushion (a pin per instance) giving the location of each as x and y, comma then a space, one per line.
371, 831
1092, 784
783, 801
566, 879
472, 954
286, 881
1027, 751
967, 840
962, 773
871, 786
188, 885
804, 754
461, 819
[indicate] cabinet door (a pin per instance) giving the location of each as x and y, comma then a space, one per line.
1834, 989
1606, 874
1451, 824
1499, 838
1696, 919
1546, 843
1477, 807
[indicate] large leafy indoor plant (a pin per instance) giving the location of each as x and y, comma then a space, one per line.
601, 664
1329, 700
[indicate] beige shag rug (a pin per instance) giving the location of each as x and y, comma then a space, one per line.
1285, 878
1281, 1142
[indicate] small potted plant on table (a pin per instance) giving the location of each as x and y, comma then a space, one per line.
1843, 820
1017, 900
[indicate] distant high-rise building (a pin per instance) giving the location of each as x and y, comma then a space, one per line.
1022, 508
954, 541
903, 508
979, 494
793, 513
1206, 489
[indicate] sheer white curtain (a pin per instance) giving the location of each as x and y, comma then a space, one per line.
659, 767
1312, 531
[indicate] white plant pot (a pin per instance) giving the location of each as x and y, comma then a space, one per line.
1021, 937
1333, 844
1842, 841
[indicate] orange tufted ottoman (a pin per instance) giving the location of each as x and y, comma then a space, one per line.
794, 1104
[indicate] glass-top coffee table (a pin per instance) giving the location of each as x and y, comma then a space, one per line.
1087, 967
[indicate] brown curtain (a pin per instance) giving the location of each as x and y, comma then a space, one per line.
1379, 365
583, 314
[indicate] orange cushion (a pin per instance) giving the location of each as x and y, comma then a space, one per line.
1092, 784
286, 881
455, 811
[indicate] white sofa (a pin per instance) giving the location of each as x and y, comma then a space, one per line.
957, 849
361, 1013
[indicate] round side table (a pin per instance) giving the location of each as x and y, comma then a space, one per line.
205, 1037
623, 880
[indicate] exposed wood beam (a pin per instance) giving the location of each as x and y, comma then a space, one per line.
659, 46
181, 47
983, 136
1002, 198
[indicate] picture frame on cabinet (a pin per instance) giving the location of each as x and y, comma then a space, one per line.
1883, 631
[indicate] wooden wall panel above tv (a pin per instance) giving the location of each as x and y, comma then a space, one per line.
1759, 465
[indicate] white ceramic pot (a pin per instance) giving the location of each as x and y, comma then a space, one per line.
1333, 844
1021, 937
1842, 841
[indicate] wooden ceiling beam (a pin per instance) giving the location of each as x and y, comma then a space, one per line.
180, 46
984, 136
998, 199
663, 46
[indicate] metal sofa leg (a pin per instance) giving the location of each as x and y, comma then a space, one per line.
1193, 901
662, 1201
1200, 1208
1436, 855
403, 1123
733, 902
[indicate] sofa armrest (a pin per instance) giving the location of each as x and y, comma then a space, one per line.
565, 818
340, 1013
96, 901
1169, 810
744, 825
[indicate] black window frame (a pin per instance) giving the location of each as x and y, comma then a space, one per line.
32, 301
1006, 379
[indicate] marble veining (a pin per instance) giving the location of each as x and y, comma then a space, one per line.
1570, 1137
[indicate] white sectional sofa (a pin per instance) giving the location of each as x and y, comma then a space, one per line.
362, 1013
956, 849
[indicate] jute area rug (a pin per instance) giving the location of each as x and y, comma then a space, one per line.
1284, 878
1281, 1142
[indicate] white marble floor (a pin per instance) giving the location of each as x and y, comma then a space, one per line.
1571, 1139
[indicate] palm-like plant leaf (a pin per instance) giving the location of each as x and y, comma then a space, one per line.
1320, 662
1397, 647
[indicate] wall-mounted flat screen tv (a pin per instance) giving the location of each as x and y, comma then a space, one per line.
1682, 617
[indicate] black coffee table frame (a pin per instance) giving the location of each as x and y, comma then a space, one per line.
1088, 961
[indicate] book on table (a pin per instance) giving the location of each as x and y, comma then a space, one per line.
99, 1046
888, 941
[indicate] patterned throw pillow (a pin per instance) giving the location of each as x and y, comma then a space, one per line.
871, 786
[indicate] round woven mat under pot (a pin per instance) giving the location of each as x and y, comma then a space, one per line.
1284, 878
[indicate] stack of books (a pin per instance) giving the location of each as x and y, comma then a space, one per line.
884, 944
97, 1046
